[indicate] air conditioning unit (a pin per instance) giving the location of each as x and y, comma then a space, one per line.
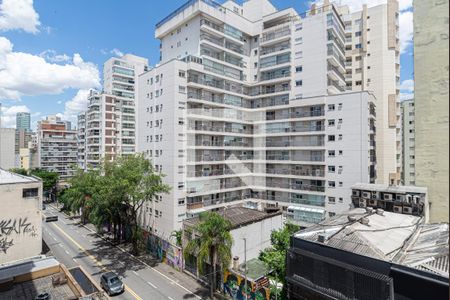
374, 195
362, 203
408, 199
398, 209
381, 204
366, 195
407, 210
387, 197
400, 198
373, 202
355, 193
417, 199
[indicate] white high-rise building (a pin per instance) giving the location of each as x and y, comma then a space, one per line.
248, 107
373, 64
408, 142
109, 124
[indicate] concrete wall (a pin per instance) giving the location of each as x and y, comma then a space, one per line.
20, 222
431, 64
257, 235
7, 151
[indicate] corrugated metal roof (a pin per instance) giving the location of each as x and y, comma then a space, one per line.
398, 238
7, 177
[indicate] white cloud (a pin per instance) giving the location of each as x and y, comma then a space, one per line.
405, 4
406, 96
406, 30
51, 56
76, 105
407, 85
27, 74
8, 115
116, 52
18, 14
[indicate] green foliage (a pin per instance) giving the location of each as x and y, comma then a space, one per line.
115, 193
178, 235
275, 256
49, 179
19, 171
212, 242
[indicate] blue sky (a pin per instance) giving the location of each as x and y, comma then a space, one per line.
52, 51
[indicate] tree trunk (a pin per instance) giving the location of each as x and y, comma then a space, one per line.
213, 274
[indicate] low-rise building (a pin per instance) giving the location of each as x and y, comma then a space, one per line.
368, 254
20, 216
410, 200
251, 231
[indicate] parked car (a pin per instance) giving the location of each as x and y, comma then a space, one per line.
111, 283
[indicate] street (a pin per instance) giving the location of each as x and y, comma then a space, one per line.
73, 245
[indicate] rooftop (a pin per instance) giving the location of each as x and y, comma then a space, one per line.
390, 189
410, 242
7, 177
238, 216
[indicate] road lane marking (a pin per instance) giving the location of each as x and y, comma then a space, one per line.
136, 273
153, 286
170, 298
147, 265
97, 262
67, 252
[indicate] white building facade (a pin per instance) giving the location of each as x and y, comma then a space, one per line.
248, 107
7, 148
408, 142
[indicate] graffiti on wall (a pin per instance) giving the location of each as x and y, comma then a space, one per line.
10, 228
234, 286
164, 251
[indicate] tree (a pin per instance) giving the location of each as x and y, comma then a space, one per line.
178, 236
212, 242
19, 171
275, 256
49, 179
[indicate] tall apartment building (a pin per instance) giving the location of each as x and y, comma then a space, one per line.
373, 64
408, 142
247, 107
23, 121
108, 128
57, 146
7, 153
431, 80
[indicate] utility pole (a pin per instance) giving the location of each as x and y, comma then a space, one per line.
245, 264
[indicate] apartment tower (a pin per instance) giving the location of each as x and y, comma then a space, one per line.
408, 142
57, 146
431, 97
248, 107
109, 124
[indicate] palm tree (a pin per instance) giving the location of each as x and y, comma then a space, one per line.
212, 242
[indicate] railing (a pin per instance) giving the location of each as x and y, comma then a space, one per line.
296, 129
264, 91
312, 173
275, 34
295, 144
303, 187
275, 75
276, 48
336, 85
336, 70
222, 144
218, 129
333, 52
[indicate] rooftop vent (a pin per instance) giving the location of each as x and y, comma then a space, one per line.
369, 210
365, 221
351, 218
380, 211
322, 238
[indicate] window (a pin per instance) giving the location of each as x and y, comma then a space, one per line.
341, 183
358, 58
331, 169
340, 137
298, 27
299, 69
340, 121
29, 193
341, 152
359, 82
341, 199
299, 41
331, 107
358, 46
331, 138
331, 122
331, 200
182, 74
182, 89
299, 83
331, 184
299, 54
180, 185
331, 153
358, 33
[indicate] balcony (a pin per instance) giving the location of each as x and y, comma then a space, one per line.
293, 186
335, 72
335, 57
284, 73
276, 34
201, 127
276, 48
308, 172
306, 143
335, 84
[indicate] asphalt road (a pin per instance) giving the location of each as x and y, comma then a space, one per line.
75, 245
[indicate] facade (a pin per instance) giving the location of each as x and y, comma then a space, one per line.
20, 217
81, 140
252, 225
23, 121
410, 200
7, 151
248, 107
373, 64
431, 79
57, 146
408, 142
349, 257
28, 158
110, 120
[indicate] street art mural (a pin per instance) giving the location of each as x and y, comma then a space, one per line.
234, 286
10, 229
164, 251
